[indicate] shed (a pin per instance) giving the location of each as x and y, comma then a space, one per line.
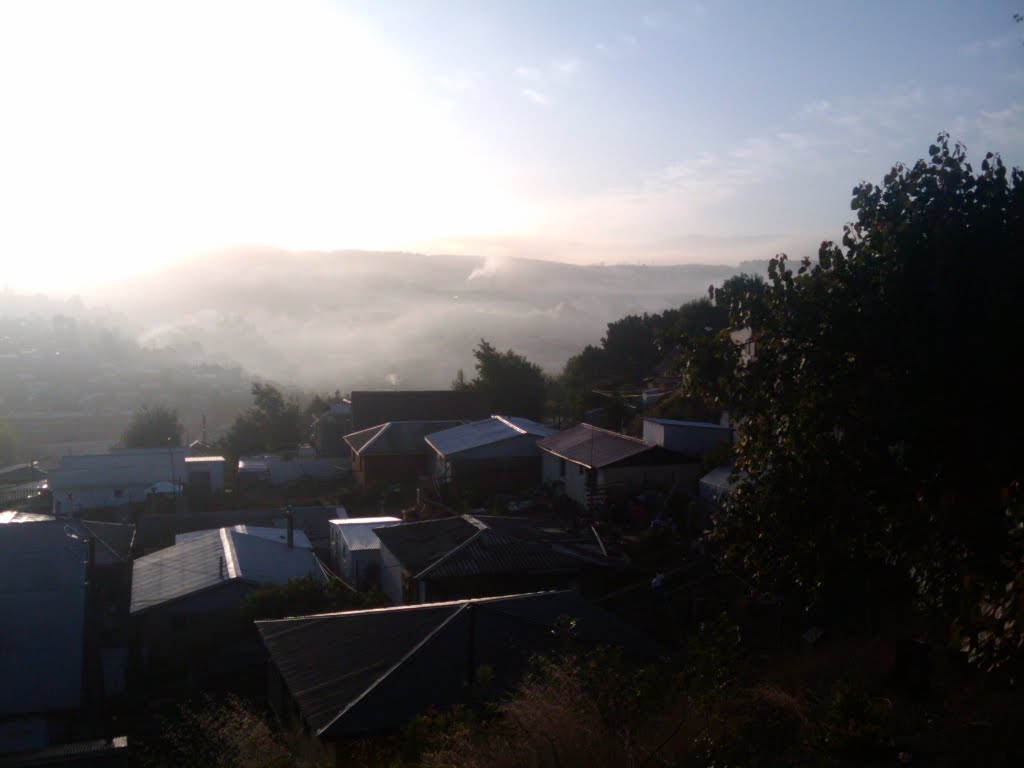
355, 548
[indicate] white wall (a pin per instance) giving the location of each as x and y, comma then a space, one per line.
690, 439
390, 576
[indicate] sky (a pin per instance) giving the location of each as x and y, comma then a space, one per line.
136, 133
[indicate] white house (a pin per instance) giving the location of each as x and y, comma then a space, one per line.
91, 481
356, 548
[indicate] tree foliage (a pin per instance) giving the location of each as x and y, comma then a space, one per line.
514, 385
272, 423
153, 426
881, 416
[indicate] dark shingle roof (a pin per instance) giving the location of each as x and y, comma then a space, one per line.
114, 541
370, 670
592, 446
372, 408
396, 437
417, 545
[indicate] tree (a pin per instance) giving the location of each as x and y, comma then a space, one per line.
514, 385
270, 424
153, 426
882, 415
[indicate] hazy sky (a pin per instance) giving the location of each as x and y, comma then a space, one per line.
134, 132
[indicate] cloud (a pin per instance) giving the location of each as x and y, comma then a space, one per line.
535, 96
530, 73
567, 66
979, 47
457, 82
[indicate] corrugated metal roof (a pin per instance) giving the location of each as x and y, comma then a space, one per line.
396, 437
211, 559
484, 432
592, 446
359, 532
367, 670
96, 752
200, 459
490, 552
280, 535
16, 516
42, 608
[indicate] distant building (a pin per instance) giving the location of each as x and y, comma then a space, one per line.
495, 454
42, 619
204, 475
372, 408
690, 438
118, 478
355, 549
342, 675
593, 466
474, 556
393, 453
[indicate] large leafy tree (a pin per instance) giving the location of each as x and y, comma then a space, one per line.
153, 426
882, 414
272, 423
514, 385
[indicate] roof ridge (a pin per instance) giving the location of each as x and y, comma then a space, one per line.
508, 423
408, 655
451, 552
230, 555
616, 434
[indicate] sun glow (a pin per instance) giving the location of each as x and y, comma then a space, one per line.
135, 133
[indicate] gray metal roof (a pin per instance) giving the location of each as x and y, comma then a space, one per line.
490, 552
592, 446
417, 545
359, 532
280, 535
211, 559
42, 608
361, 671
466, 437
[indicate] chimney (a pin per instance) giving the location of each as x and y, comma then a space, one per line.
291, 527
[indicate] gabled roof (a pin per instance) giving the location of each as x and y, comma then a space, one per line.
370, 408
466, 437
369, 670
688, 424
417, 545
474, 546
395, 437
359, 533
211, 559
280, 535
114, 541
42, 613
593, 447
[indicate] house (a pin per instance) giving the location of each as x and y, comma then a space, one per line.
690, 438
594, 466
393, 453
746, 340
335, 676
284, 468
121, 477
280, 535
355, 548
329, 427
372, 408
185, 598
712, 489
43, 569
19, 474
491, 455
473, 556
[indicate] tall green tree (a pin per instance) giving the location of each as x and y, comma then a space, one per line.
153, 426
882, 414
272, 423
514, 385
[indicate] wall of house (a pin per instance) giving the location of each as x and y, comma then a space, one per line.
570, 478
499, 474
654, 477
692, 440
391, 572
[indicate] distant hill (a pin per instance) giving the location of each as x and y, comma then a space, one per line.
350, 318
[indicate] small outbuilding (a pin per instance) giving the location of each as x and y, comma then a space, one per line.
355, 549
